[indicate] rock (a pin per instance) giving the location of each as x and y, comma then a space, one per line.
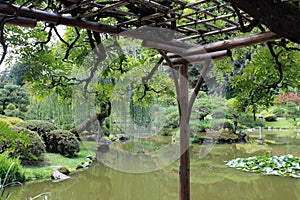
64, 170
89, 157
104, 141
124, 137
57, 175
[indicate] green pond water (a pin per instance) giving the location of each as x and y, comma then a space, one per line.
211, 179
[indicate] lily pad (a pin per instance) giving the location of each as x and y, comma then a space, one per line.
285, 165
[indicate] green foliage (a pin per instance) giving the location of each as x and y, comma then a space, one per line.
218, 124
258, 84
198, 139
5, 122
246, 120
35, 148
63, 142
172, 117
292, 110
52, 107
41, 127
11, 169
16, 144
278, 111
270, 117
285, 165
200, 126
13, 100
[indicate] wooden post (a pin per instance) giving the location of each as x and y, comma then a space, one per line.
184, 167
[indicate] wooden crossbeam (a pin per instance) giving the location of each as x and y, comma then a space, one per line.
59, 19
20, 21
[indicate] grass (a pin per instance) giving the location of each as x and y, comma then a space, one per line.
280, 123
44, 170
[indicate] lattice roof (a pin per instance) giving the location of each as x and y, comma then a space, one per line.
196, 19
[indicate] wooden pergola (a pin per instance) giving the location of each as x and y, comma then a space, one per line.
199, 22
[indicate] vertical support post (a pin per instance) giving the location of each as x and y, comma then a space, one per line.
184, 168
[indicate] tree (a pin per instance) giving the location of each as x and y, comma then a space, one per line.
292, 110
265, 73
14, 100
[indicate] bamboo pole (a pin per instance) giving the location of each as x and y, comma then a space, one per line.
20, 21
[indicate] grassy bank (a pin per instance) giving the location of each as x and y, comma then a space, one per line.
281, 123
43, 171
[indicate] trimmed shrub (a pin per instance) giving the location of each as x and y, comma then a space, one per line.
14, 120
36, 147
15, 174
217, 124
270, 118
279, 112
246, 120
5, 122
63, 142
41, 127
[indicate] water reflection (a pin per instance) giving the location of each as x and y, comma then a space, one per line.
211, 179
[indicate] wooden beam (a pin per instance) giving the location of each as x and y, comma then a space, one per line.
184, 167
200, 57
234, 43
60, 19
20, 21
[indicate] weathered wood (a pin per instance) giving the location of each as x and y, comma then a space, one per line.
185, 52
164, 46
184, 167
233, 43
59, 19
200, 57
20, 21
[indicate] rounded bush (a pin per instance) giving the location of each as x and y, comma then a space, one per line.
14, 120
63, 142
218, 124
15, 174
270, 118
36, 147
41, 127
5, 122
279, 112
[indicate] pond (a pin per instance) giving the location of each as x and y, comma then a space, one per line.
211, 179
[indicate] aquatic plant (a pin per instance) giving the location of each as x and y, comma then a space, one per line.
285, 165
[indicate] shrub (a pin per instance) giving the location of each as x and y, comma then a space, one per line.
16, 144
279, 112
200, 126
15, 174
63, 142
270, 118
246, 120
4, 122
36, 147
14, 120
217, 124
172, 117
41, 127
